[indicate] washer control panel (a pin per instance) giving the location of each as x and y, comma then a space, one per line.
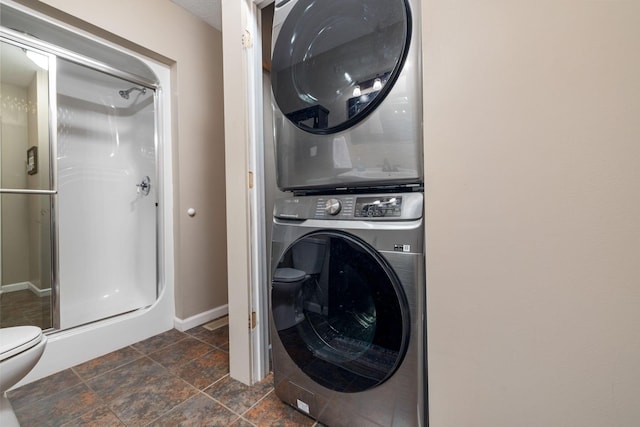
359, 206
381, 207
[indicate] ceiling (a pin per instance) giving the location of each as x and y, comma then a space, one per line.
210, 11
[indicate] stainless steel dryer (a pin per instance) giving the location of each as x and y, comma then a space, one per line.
348, 306
346, 80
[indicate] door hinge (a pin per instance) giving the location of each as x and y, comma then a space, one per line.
250, 179
253, 320
247, 42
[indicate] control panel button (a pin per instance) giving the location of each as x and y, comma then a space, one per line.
332, 206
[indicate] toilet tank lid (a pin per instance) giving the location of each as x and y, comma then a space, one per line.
17, 339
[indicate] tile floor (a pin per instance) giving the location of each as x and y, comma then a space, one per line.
24, 308
172, 379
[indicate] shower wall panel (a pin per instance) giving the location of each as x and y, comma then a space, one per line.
106, 222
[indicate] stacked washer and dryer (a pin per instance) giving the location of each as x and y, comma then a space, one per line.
347, 297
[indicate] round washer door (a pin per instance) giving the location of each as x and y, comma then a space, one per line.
334, 61
345, 323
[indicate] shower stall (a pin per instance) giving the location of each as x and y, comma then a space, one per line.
85, 240
106, 182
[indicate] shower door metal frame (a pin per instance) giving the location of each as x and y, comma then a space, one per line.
53, 52
23, 42
20, 38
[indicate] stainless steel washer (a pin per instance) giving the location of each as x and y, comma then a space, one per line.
346, 79
348, 307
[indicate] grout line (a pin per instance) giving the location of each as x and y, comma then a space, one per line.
228, 374
241, 415
182, 364
102, 401
215, 381
247, 421
138, 355
166, 346
107, 404
173, 408
141, 355
220, 403
259, 400
208, 343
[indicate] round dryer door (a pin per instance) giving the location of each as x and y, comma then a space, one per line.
345, 322
334, 61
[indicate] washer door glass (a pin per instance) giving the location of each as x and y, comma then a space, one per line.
334, 61
345, 320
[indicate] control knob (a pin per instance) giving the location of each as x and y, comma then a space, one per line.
333, 206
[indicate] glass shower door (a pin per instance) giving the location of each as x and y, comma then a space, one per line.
26, 189
107, 198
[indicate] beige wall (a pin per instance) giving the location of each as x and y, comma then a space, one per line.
15, 219
25, 219
532, 130
194, 50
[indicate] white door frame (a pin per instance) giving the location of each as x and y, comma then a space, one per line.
246, 258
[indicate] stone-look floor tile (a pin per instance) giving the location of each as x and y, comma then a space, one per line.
241, 422
238, 396
271, 411
180, 353
100, 417
205, 370
198, 411
152, 400
105, 363
132, 389
23, 307
160, 341
59, 408
127, 379
12, 321
218, 337
29, 394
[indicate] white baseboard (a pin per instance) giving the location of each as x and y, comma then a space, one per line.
201, 318
13, 287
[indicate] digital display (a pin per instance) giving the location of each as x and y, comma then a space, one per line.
386, 206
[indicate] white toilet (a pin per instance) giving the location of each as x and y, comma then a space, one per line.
20, 350
307, 257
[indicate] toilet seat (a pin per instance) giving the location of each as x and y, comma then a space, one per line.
17, 339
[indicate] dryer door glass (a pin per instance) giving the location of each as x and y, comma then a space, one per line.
345, 322
334, 61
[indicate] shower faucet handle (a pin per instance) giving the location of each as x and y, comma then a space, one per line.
145, 186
